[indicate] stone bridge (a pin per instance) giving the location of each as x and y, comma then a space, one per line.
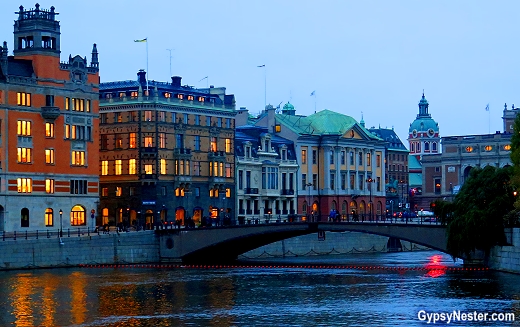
225, 244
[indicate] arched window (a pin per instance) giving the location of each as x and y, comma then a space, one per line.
333, 206
105, 216
344, 208
434, 146
49, 217
418, 147
426, 146
77, 216
24, 217
304, 207
413, 147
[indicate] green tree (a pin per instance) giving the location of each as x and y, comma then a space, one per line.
443, 210
479, 211
515, 159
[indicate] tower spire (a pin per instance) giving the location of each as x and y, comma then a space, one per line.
94, 62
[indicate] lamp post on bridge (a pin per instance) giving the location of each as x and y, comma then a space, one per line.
369, 181
309, 212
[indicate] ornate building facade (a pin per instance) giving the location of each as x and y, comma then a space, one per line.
266, 175
341, 163
167, 152
48, 127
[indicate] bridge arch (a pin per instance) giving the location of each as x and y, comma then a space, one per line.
227, 243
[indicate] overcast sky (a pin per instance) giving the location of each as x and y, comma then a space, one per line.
374, 57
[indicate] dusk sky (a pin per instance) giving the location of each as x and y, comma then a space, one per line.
374, 57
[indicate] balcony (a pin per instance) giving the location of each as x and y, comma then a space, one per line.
178, 151
217, 155
148, 152
251, 190
50, 113
286, 191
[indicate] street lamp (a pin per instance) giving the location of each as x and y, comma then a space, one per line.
61, 223
369, 181
308, 185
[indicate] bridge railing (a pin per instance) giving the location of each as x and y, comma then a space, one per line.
56, 233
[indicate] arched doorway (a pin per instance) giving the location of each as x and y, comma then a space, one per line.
77, 216
466, 173
344, 211
197, 215
148, 216
379, 209
180, 215
104, 216
362, 210
24, 217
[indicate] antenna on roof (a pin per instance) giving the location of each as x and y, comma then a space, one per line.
170, 60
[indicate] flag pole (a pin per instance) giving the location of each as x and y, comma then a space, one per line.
147, 72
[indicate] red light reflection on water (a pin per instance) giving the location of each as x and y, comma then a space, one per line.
435, 267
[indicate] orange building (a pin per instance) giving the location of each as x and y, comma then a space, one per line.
48, 130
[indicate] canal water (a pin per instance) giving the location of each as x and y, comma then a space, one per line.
384, 289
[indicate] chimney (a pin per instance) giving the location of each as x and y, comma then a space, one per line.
141, 76
4, 58
241, 117
176, 81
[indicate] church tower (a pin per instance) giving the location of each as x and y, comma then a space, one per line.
423, 134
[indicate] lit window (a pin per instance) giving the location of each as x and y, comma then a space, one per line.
119, 166
167, 95
162, 140
213, 145
88, 105
133, 142
49, 156
201, 99
24, 128
119, 191
23, 99
488, 148
469, 149
228, 193
24, 185
133, 94
369, 161
148, 169
122, 94
49, 129
148, 115
78, 158
77, 216
104, 191
163, 166
507, 147
180, 96
148, 141
49, 186
104, 167
67, 102
49, 221
131, 167
228, 145
190, 97
24, 155
277, 128
221, 168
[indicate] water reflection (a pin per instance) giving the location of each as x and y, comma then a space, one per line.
255, 296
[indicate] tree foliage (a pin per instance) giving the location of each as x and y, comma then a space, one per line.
515, 158
479, 211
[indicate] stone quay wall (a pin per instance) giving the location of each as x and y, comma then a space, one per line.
133, 247
334, 243
507, 258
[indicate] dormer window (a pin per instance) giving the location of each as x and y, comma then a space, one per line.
108, 95
284, 154
146, 93
167, 95
180, 96
190, 97
247, 149
201, 99
122, 94
133, 94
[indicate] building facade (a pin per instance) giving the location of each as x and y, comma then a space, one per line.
166, 153
445, 173
396, 169
267, 173
49, 129
341, 163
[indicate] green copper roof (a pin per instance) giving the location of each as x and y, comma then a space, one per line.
415, 179
423, 125
413, 163
288, 106
325, 122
